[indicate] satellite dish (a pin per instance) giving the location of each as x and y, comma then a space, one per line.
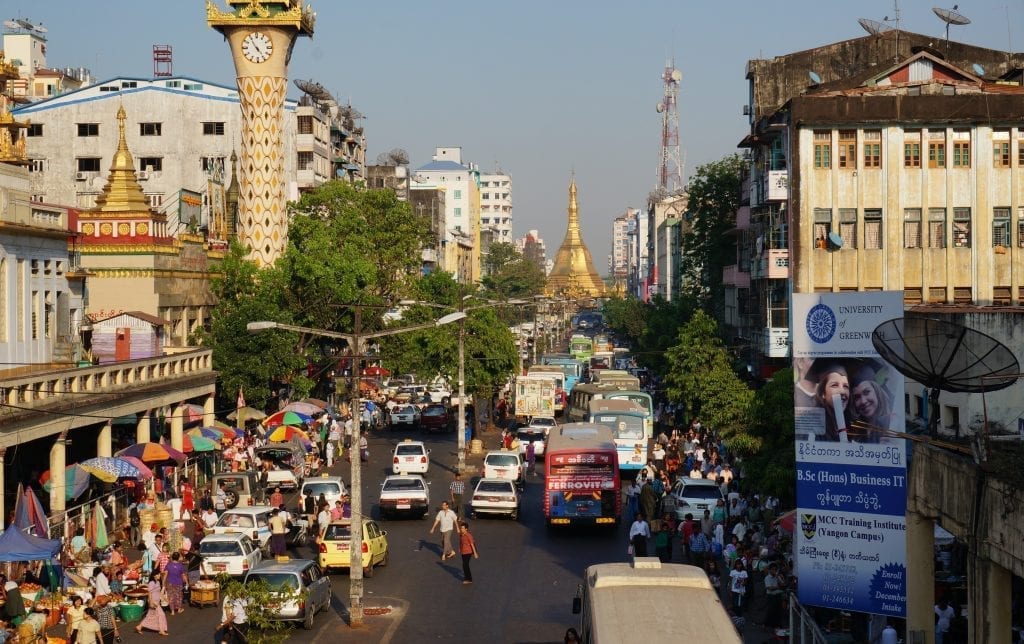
874, 27
978, 69
10, 24
677, 75
659, 108
813, 75
41, 29
951, 16
834, 240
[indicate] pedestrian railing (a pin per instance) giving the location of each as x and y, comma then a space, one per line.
802, 627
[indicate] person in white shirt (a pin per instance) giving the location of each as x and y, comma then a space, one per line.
740, 529
323, 519
100, 581
174, 504
209, 518
738, 586
639, 533
944, 614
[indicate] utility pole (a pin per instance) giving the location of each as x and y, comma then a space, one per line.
462, 392
355, 456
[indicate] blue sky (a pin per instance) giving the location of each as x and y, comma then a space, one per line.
540, 88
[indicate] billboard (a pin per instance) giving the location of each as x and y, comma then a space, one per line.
851, 479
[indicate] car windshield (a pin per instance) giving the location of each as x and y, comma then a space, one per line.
433, 411
700, 492
338, 532
543, 422
232, 483
401, 485
325, 488
230, 520
220, 548
502, 460
530, 433
409, 450
404, 410
494, 486
277, 581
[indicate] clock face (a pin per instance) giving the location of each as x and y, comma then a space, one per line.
257, 47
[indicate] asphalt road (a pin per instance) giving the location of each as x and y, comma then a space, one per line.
525, 577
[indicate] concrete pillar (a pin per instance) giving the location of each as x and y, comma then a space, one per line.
921, 575
58, 484
208, 409
104, 442
177, 426
142, 430
989, 609
3, 484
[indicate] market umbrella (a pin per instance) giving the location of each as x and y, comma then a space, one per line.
376, 371
285, 433
76, 481
231, 433
153, 453
322, 404
117, 467
144, 471
28, 513
101, 539
247, 413
308, 409
285, 418
197, 444
193, 412
213, 433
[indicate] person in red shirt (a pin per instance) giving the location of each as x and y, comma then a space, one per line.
467, 546
276, 499
686, 531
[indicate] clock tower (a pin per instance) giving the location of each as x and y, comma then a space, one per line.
261, 34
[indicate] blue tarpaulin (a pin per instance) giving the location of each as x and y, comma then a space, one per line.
16, 545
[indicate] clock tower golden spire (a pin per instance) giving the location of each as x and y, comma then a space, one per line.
261, 34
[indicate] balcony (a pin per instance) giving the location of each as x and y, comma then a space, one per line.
733, 276
771, 264
428, 256
777, 185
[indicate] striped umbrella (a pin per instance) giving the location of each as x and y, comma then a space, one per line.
118, 467
286, 418
285, 433
212, 433
153, 453
191, 444
76, 481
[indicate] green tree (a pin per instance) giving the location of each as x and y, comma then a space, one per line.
700, 375
261, 605
713, 198
509, 275
627, 317
771, 459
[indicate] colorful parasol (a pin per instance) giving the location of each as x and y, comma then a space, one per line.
285, 433
113, 466
285, 418
213, 433
193, 413
191, 443
100, 537
246, 413
144, 471
153, 453
76, 481
308, 409
28, 513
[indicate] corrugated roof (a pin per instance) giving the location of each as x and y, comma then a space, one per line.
443, 165
145, 317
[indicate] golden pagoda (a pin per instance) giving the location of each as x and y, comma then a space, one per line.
573, 274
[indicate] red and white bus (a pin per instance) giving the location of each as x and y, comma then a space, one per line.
581, 482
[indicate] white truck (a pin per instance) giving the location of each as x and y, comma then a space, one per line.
535, 396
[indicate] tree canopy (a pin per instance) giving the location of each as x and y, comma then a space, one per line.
510, 275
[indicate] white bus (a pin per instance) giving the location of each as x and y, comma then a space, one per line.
678, 605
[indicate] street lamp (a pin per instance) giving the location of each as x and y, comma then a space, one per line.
355, 342
462, 360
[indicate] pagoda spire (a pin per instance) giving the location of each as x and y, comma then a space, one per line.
122, 193
573, 273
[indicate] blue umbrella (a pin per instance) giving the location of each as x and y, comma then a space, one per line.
76, 481
117, 466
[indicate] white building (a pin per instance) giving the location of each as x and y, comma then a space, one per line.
636, 230
461, 184
618, 259
25, 46
180, 130
496, 205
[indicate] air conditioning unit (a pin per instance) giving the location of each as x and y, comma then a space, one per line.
746, 110
142, 175
81, 176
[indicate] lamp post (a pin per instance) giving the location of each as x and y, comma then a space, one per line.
355, 342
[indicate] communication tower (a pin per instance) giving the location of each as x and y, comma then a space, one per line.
163, 61
670, 168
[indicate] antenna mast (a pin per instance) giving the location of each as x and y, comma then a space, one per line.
670, 168
163, 61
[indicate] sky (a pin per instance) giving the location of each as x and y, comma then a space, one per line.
537, 88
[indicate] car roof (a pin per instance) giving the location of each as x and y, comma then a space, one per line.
501, 452
273, 565
251, 509
398, 477
322, 479
686, 480
411, 442
224, 536
494, 480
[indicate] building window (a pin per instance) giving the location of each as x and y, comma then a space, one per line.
936, 149
150, 129
151, 164
486, 195
47, 314
848, 149
1001, 227
458, 212
35, 129
1020, 153
912, 153
213, 128
458, 194
822, 226
873, 228
822, 149
305, 125
912, 228
961, 149
37, 165
872, 148
209, 164
88, 164
1001, 148
155, 200
961, 227
88, 129
1020, 227
35, 315
305, 161
936, 228
848, 227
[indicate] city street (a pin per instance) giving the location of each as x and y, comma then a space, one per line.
525, 578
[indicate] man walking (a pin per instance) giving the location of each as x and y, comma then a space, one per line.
467, 546
457, 489
446, 520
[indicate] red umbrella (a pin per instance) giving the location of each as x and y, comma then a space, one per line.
376, 371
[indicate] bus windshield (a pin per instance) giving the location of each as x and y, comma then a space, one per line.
586, 464
625, 426
642, 399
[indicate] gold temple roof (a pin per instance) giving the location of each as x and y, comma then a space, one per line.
122, 194
573, 273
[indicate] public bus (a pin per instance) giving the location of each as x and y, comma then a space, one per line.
615, 377
581, 476
602, 360
628, 422
578, 408
571, 367
642, 398
553, 371
603, 343
608, 589
581, 347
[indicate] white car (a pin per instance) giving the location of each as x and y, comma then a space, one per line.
504, 464
407, 416
233, 554
496, 496
692, 496
410, 457
404, 494
439, 393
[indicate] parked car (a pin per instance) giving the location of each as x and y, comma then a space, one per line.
288, 464
253, 521
404, 417
503, 464
410, 457
692, 496
335, 541
332, 487
300, 586
435, 418
496, 496
404, 494
229, 553
439, 393
240, 488
530, 434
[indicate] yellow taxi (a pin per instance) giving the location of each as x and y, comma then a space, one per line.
335, 540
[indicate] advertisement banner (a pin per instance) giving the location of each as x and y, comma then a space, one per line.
851, 479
